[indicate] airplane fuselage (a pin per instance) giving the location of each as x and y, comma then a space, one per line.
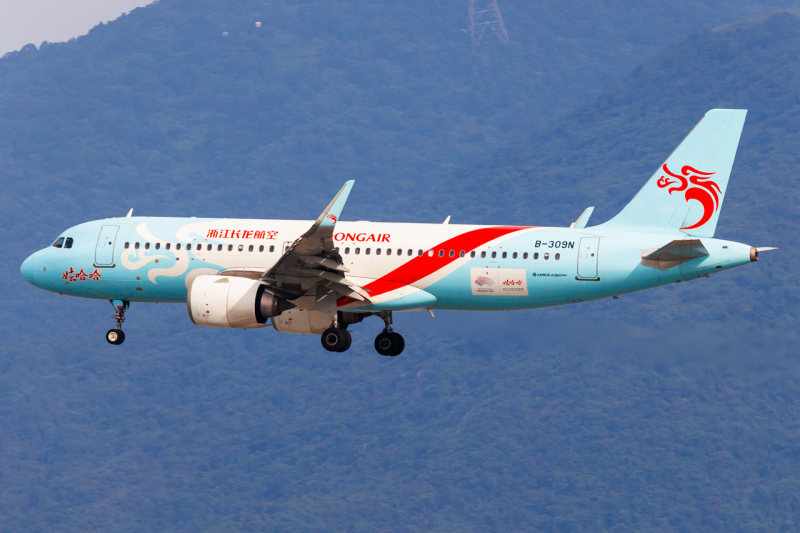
403, 266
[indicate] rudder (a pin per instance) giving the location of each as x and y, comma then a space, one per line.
686, 193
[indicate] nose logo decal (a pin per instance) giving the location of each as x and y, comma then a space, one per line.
71, 275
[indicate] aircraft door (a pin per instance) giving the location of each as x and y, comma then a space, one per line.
587, 259
104, 252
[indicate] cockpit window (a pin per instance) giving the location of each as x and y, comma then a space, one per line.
59, 242
68, 242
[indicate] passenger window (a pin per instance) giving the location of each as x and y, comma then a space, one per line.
241, 247
441, 253
505, 254
377, 251
358, 251
430, 253
209, 247
536, 255
388, 251
494, 254
167, 246
59, 242
525, 255
127, 245
271, 248
250, 248
514, 255
462, 254
452, 253
261, 248
558, 256
400, 251
410, 251
136, 245
483, 254
147, 246
367, 251
189, 246
68, 242
177, 246
230, 247
547, 256
472, 253
347, 250
158, 246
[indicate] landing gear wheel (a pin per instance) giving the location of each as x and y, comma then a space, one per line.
348, 341
389, 343
115, 336
400, 344
335, 340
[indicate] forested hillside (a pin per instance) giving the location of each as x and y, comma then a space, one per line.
603, 153
390, 93
669, 410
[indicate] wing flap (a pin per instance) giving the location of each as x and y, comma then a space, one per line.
312, 266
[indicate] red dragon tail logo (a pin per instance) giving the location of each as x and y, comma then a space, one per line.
703, 190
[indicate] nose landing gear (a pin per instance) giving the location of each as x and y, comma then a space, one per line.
116, 336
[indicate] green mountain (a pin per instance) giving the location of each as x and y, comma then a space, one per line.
160, 111
670, 410
601, 154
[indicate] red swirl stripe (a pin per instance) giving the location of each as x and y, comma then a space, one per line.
423, 266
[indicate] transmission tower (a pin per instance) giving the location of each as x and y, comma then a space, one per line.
485, 14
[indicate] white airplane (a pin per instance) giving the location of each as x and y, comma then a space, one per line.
318, 278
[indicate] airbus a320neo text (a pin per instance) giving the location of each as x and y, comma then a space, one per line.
320, 277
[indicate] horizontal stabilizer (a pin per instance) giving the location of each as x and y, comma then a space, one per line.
673, 254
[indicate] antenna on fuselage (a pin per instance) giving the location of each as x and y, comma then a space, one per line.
447, 220
130, 213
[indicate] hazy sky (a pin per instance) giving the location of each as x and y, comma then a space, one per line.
34, 21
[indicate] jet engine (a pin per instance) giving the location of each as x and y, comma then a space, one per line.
232, 302
302, 321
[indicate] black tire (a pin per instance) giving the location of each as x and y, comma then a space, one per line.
385, 343
333, 339
399, 343
115, 336
348, 340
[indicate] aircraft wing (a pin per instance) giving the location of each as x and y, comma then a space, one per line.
311, 264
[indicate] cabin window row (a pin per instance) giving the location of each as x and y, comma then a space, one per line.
199, 247
441, 253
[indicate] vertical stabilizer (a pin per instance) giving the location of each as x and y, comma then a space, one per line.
686, 192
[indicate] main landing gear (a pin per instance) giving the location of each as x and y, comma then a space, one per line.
337, 339
116, 336
389, 343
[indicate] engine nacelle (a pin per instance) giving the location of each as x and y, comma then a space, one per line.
232, 302
302, 321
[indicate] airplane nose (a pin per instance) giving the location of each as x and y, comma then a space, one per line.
27, 269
